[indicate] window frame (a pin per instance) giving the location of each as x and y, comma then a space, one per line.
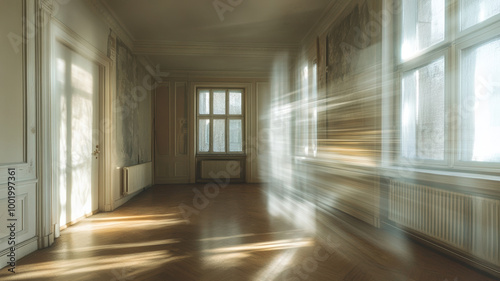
306, 117
455, 41
227, 117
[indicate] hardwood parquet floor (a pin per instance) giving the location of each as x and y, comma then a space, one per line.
234, 237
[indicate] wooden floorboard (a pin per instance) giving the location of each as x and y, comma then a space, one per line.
233, 237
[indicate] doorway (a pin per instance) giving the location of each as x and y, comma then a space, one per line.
76, 134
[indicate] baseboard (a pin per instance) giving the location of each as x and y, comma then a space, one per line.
46, 241
127, 197
78, 220
22, 250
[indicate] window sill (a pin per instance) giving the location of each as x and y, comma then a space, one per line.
463, 182
402, 171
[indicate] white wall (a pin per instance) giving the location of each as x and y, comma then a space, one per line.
127, 121
11, 79
18, 131
257, 91
79, 17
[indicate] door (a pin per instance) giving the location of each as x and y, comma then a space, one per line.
76, 133
171, 133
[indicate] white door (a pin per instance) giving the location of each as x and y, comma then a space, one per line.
76, 133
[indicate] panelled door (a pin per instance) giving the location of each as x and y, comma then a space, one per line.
171, 133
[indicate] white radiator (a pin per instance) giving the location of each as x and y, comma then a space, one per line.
232, 168
469, 223
486, 229
137, 177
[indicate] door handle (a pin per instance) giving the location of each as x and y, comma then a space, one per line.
96, 151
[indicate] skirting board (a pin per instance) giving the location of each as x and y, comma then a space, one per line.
22, 250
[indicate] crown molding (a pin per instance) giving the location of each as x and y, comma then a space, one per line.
47, 6
170, 48
210, 49
200, 75
101, 8
67, 35
329, 16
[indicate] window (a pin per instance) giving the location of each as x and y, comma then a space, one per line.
307, 116
220, 121
449, 81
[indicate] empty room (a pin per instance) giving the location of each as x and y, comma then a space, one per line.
250, 140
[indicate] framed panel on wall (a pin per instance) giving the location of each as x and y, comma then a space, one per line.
17, 99
18, 127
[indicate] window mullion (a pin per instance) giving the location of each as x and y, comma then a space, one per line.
226, 136
452, 20
227, 122
211, 118
451, 108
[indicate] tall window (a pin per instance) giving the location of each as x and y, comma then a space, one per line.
220, 121
450, 82
307, 116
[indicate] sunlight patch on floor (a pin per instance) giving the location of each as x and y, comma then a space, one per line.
277, 266
120, 246
266, 246
129, 217
129, 224
137, 263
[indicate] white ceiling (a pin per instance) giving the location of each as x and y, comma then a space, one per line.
192, 35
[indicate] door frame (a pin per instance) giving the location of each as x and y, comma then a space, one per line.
64, 35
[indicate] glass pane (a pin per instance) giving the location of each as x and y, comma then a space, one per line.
476, 11
423, 111
235, 136
235, 102
480, 103
423, 25
220, 102
204, 102
204, 135
219, 135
